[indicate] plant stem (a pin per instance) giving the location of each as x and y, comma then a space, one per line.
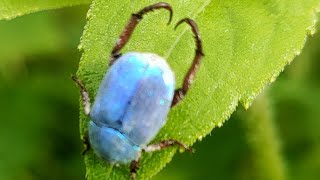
264, 141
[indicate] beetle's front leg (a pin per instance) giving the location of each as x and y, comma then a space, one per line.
134, 167
165, 144
84, 95
87, 108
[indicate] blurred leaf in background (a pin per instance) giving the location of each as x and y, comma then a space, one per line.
39, 103
13, 8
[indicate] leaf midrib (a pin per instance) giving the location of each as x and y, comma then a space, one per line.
170, 50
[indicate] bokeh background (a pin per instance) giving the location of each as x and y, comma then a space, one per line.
39, 134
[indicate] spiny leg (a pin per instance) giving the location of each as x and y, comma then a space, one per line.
133, 22
134, 166
84, 95
86, 104
181, 92
165, 144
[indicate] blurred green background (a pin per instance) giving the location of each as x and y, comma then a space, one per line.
39, 136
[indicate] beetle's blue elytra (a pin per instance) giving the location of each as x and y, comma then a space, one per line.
134, 99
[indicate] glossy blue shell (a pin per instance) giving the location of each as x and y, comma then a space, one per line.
131, 106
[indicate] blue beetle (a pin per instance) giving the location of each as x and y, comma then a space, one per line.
134, 99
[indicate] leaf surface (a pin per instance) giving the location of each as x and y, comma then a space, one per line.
246, 45
13, 8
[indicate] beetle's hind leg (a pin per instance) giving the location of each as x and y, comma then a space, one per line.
129, 28
181, 92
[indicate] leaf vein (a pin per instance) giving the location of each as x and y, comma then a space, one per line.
169, 52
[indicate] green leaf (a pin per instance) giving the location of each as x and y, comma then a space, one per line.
13, 8
246, 45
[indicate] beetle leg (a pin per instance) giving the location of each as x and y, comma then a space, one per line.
134, 167
165, 144
86, 142
129, 28
181, 92
84, 95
